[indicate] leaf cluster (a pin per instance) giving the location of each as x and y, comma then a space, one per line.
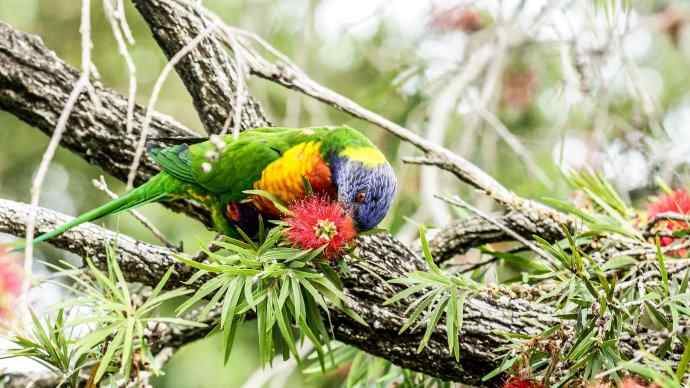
606, 299
50, 344
288, 290
114, 316
442, 295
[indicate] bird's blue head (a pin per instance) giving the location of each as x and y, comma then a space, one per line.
366, 184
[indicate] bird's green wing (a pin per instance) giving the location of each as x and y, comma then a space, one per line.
175, 161
235, 167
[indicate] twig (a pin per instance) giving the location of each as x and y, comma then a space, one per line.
100, 184
666, 216
121, 32
442, 109
293, 105
457, 201
240, 89
472, 266
513, 142
79, 87
154, 98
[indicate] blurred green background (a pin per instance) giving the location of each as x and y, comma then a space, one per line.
571, 84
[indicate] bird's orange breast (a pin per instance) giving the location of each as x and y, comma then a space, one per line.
286, 177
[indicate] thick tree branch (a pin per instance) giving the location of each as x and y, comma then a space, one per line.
142, 262
34, 380
210, 77
463, 235
34, 86
486, 314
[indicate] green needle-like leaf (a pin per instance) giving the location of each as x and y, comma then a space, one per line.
109, 354
435, 316
662, 267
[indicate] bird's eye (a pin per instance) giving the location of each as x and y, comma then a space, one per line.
360, 197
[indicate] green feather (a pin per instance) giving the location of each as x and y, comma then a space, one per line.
175, 161
154, 190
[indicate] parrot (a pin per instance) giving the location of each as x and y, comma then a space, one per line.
288, 164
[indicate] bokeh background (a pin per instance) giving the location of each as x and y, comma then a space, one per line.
568, 84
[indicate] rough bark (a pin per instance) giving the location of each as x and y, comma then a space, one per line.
463, 235
206, 71
142, 262
18, 380
34, 86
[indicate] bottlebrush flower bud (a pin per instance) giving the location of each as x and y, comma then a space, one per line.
675, 202
520, 382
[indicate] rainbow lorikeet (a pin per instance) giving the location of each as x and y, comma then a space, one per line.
288, 163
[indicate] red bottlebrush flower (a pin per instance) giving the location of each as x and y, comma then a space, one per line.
676, 202
672, 20
457, 18
317, 221
521, 382
10, 283
519, 88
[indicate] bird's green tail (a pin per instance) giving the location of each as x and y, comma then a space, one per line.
154, 190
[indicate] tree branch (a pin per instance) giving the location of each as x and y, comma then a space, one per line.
33, 380
463, 235
207, 72
34, 86
142, 262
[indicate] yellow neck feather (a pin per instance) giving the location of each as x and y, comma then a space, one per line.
369, 156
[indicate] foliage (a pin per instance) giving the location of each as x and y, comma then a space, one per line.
114, 316
606, 211
607, 299
655, 369
443, 295
118, 318
366, 370
50, 344
288, 289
